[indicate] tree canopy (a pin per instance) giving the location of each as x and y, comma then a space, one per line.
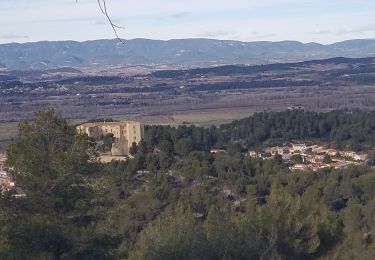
176, 200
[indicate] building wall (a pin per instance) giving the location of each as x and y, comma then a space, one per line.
124, 132
2, 163
135, 132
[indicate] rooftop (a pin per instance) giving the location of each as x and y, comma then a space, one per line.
116, 123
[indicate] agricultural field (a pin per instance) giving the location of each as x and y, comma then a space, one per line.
202, 96
7, 131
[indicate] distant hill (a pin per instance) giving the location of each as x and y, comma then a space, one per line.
194, 52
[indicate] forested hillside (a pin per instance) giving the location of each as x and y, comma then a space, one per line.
176, 200
343, 129
196, 52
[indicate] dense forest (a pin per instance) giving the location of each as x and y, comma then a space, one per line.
253, 84
342, 129
176, 200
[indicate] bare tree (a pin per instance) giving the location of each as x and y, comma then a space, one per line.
103, 8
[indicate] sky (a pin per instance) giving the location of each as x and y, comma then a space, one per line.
323, 21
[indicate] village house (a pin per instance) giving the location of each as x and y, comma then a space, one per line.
299, 167
298, 148
314, 158
215, 151
252, 154
312, 147
287, 156
331, 152
318, 150
349, 154
360, 157
278, 150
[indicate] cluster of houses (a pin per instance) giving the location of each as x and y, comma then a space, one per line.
300, 156
5, 182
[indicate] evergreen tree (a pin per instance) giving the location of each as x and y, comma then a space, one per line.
57, 210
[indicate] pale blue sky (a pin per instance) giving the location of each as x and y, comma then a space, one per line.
324, 21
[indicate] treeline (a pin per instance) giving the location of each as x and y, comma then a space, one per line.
7, 78
94, 80
176, 200
221, 70
241, 69
341, 129
253, 84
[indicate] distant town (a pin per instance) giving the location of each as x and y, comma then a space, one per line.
299, 156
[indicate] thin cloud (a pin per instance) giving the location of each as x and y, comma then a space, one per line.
180, 15
220, 33
99, 22
357, 30
257, 35
321, 32
105, 22
166, 19
13, 37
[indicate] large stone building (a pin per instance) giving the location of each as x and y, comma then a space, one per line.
125, 133
5, 181
2, 164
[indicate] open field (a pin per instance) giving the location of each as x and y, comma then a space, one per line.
7, 131
206, 117
203, 117
205, 96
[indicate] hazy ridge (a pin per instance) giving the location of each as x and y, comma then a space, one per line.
194, 52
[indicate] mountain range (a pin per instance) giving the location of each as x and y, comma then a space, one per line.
188, 52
